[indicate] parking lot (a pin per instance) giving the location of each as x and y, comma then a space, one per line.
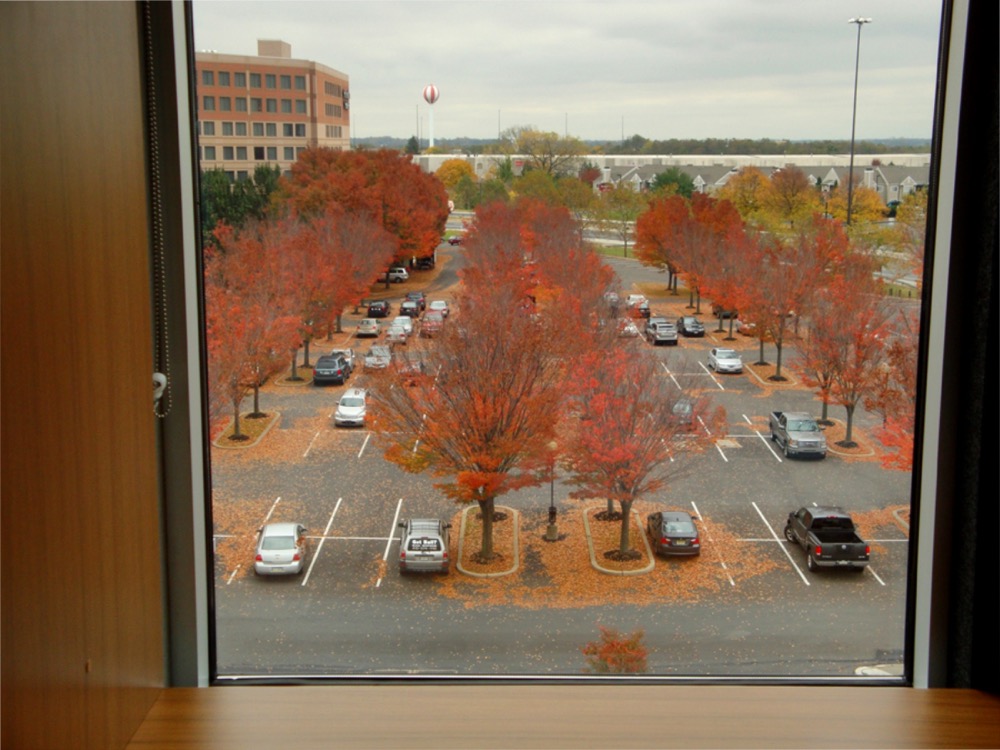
350, 601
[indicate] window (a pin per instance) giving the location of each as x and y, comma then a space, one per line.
225, 104
299, 130
223, 78
256, 104
208, 103
286, 82
300, 106
210, 153
272, 105
240, 80
255, 80
241, 153
241, 128
334, 110
286, 106
287, 130
208, 128
258, 129
227, 153
241, 104
227, 128
207, 78
271, 129
332, 89
270, 81
300, 83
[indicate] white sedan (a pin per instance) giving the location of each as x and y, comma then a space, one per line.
405, 322
725, 360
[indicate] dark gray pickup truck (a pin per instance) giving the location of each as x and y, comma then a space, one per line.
828, 537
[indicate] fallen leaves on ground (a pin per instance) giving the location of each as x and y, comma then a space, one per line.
559, 574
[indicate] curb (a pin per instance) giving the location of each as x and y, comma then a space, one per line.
244, 446
461, 542
600, 568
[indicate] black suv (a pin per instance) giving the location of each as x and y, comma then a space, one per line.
331, 368
379, 309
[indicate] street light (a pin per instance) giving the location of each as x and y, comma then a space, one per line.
854, 115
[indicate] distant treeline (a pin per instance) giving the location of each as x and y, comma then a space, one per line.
637, 144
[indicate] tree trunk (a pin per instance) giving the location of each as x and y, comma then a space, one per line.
760, 360
849, 436
256, 399
697, 303
486, 509
340, 320
295, 365
305, 360
611, 507
236, 420
777, 368
623, 540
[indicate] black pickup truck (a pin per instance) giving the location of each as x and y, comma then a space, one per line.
828, 537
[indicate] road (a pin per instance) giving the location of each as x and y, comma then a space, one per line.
352, 614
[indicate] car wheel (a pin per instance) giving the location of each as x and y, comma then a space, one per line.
784, 449
788, 533
774, 438
811, 564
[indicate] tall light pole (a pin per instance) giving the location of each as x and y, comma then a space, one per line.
854, 114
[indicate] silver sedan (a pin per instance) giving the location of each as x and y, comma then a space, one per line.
725, 360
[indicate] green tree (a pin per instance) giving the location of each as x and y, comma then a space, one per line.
412, 145
617, 210
544, 150
538, 185
674, 181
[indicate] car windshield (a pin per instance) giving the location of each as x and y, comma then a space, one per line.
803, 426
726, 354
352, 401
278, 542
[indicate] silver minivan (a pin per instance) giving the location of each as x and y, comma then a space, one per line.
424, 546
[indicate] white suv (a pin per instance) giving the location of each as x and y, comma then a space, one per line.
397, 275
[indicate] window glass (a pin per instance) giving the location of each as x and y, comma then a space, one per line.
208, 128
241, 104
207, 78
240, 79
227, 128
638, 149
227, 153
225, 104
223, 78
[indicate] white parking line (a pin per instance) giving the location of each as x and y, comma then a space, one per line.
310, 445
274, 506
712, 376
326, 531
365, 444
392, 536
781, 545
670, 374
870, 570
233, 574
708, 535
719, 449
763, 439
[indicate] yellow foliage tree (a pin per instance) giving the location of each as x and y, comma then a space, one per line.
452, 171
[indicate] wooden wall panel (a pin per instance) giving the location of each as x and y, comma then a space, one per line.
82, 605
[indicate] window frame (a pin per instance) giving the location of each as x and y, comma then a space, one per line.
927, 620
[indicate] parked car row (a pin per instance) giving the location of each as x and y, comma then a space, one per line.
827, 534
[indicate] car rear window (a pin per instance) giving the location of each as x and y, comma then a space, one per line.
424, 544
278, 542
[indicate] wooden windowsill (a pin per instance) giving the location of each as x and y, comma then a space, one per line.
568, 716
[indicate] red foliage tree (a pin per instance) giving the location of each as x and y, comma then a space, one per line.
385, 185
249, 323
615, 653
626, 424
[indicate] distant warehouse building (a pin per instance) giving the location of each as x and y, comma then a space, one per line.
266, 109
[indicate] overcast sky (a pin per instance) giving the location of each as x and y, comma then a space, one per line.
595, 70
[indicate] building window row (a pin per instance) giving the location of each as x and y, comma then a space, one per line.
258, 129
257, 104
239, 80
334, 131
241, 153
334, 110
